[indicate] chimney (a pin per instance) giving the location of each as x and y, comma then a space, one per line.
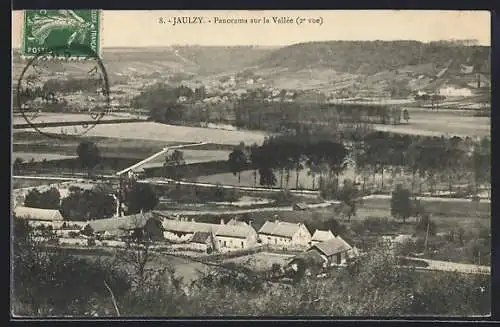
222, 221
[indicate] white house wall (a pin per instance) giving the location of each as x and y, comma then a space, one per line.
231, 242
275, 240
302, 237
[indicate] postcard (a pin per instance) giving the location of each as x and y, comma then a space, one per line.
251, 163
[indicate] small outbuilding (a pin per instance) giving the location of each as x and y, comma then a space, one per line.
334, 251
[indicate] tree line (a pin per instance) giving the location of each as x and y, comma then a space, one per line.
434, 159
253, 113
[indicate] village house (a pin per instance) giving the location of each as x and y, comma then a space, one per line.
284, 234
126, 225
204, 241
321, 236
227, 236
334, 251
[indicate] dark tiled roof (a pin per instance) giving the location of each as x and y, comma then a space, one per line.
331, 247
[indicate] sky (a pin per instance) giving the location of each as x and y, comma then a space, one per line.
142, 29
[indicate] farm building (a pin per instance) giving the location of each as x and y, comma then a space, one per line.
334, 251
204, 241
234, 236
321, 236
284, 233
121, 226
37, 214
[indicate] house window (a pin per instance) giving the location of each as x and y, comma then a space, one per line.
242, 246
224, 243
275, 241
339, 258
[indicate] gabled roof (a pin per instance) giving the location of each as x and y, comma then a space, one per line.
322, 235
120, 223
279, 228
201, 237
331, 247
37, 214
234, 221
239, 231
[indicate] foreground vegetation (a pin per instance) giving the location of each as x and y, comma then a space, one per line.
56, 284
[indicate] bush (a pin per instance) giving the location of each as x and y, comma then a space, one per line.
283, 198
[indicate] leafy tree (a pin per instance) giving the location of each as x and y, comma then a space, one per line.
173, 162
17, 165
140, 197
401, 203
87, 205
88, 155
406, 115
50, 199
349, 195
267, 177
237, 162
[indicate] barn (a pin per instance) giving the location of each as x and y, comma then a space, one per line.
334, 251
284, 234
121, 226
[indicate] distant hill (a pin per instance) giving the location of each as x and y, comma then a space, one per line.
363, 68
370, 68
200, 60
371, 57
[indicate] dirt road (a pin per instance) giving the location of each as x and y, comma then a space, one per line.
453, 266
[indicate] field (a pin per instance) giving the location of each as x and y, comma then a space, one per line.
466, 214
47, 117
23, 183
443, 122
35, 156
169, 133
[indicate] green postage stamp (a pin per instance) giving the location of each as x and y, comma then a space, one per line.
62, 33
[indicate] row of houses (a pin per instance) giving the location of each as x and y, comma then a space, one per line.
233, 235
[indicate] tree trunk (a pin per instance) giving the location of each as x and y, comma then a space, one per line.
239, 177
364, 184
297, 179
314, 179
412, 181
450, 184
382, 180
281, 178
